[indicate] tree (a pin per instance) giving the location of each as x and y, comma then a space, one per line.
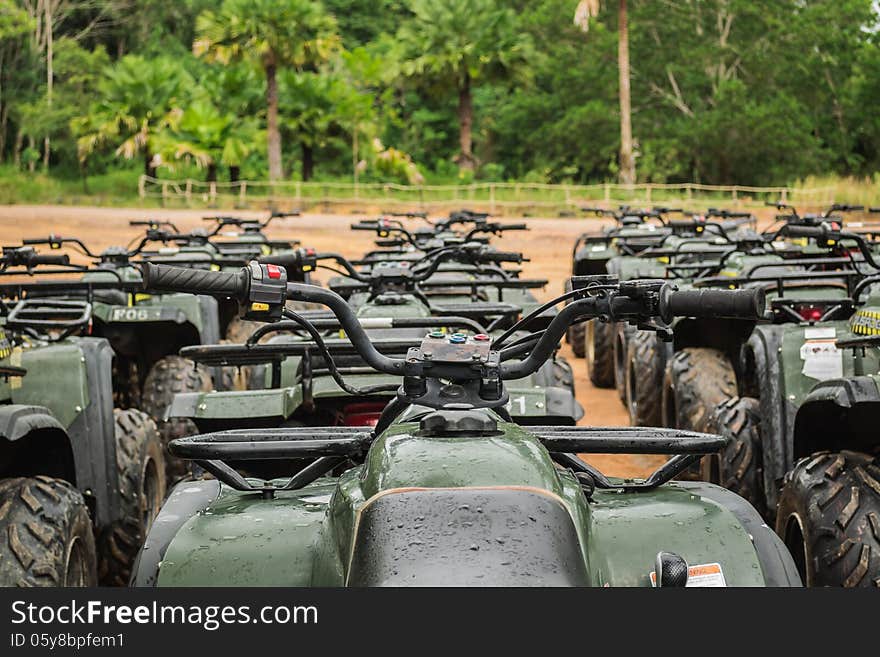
136, 101
586, 10
204, 134
454, 44
295, 34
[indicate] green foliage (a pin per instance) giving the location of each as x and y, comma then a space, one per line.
723, 91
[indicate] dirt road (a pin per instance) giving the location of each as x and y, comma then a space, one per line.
548, 243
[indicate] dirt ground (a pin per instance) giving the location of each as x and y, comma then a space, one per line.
548, 243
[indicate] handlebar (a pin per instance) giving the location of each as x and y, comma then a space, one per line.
631, 301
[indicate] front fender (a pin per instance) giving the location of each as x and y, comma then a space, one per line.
18, 420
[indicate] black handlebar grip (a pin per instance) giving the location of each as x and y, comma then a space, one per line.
804, 231
513, 227
709, 304
50, 259
166, 278
502, 256
365, 225
287, 260
37, 240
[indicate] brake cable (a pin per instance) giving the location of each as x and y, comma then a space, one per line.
331, 364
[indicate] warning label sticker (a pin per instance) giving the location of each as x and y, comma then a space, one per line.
822, 359
703, 576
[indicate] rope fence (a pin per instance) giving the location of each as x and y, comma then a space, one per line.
496, 197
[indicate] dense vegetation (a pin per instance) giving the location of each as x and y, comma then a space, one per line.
724, 91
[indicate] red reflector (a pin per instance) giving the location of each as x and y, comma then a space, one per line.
810, 314
274, 271
366, 414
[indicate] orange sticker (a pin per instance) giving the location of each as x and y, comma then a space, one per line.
701, 576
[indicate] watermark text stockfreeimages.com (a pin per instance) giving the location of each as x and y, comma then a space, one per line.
209, 617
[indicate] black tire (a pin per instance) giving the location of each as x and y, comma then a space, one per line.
169, 376
574, 335
829, 518
695, 382
644, 379
598, 344
620, 338
45, 534
739, 466
140, 467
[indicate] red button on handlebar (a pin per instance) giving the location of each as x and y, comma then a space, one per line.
274, 271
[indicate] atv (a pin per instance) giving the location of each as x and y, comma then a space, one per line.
144, 331
701, 366
802, 433
80, 480
295, 385
446, 490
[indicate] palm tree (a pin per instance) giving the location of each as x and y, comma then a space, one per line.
297, 34
207, 136
456, 43
137, 99
586, 10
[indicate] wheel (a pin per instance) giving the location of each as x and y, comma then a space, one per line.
621, 335
169, 376
598, 344
140, 468
738, 467
644, 379
829, 518
45, 534
574, 335
696, 380
234, 378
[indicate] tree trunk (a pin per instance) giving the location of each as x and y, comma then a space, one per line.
50, 56
212, 173
627, 160
149, 169
465, 124
16, 149
273, 134
308, 161
32, 147
234, 173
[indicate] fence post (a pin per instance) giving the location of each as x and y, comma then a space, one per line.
142, 186
491, 198
242, 193
648, 193
607, 192
734, 190
212, 192
784, 195
189, 188
690, 193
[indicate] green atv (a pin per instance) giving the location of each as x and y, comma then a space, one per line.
145, 331
296, 386
803, 434
80, 480
700, 367
446, 490
639, 245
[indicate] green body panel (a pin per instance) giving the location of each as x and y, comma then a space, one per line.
304, 538
796, 384
628, 529
178, 308
56, 378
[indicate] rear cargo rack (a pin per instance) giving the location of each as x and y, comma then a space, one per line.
36, 316
329, 447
